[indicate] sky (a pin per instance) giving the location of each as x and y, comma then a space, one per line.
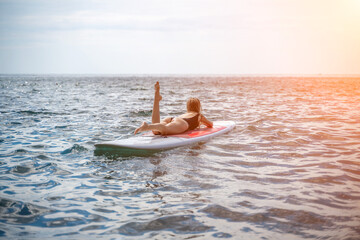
180, 36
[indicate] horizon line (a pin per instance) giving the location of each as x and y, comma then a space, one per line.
191, 74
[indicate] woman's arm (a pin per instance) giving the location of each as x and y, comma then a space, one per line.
205, 121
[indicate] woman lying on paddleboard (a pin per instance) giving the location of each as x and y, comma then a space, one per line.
188, 121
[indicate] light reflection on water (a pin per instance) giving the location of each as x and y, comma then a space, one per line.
289, 170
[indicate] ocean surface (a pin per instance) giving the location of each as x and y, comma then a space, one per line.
289, 170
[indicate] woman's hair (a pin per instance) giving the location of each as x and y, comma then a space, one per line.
193, 105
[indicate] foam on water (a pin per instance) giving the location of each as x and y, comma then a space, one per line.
290, 169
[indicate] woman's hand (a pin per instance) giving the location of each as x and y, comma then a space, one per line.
206, 122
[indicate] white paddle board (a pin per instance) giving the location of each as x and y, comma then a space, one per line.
149, 142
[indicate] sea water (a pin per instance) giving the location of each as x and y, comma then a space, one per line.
290, 169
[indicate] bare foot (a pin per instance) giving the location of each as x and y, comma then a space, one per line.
157, 92
142, 128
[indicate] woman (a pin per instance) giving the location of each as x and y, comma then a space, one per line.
187, 121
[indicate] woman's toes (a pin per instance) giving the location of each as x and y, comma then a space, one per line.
142, 128
157, 86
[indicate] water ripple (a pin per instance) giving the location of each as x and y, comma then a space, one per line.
178, 224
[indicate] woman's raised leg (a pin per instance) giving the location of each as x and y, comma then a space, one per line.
155, 118
167, 126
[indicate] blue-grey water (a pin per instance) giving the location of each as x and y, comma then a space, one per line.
290, 169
